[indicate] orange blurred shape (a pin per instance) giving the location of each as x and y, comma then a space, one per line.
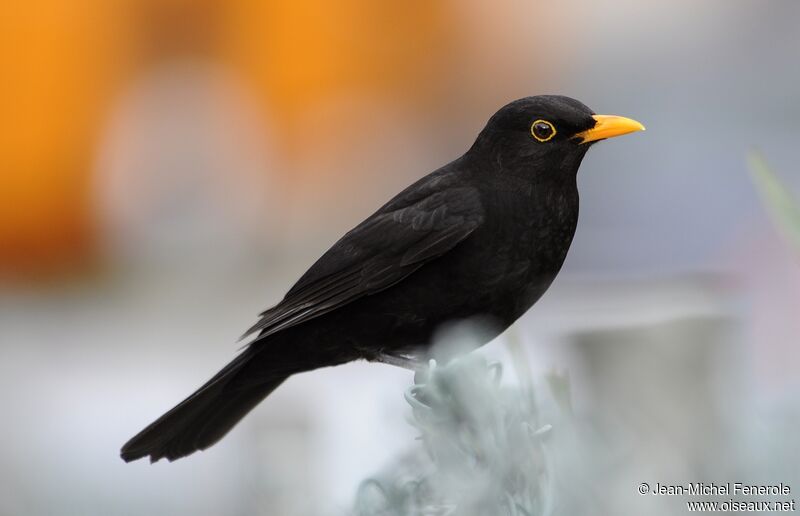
63, 61
303, 53
58, 63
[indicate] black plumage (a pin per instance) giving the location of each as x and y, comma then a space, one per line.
484, 236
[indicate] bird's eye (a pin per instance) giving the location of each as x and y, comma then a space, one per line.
543, 130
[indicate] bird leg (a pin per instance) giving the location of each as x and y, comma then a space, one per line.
406, 362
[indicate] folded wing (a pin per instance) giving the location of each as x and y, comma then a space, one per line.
378, 253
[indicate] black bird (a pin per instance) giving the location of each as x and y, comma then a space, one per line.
483, 236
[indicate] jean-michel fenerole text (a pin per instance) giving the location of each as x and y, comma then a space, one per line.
726, 489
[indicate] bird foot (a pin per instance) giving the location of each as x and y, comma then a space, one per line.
406, 362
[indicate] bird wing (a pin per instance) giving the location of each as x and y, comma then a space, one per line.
391, 244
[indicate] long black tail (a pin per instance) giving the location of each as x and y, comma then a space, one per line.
206, 416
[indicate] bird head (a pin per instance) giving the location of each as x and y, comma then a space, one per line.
546, 132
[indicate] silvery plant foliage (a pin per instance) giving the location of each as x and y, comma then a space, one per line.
482, 449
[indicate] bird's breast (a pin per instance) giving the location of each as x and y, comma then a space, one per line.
525, 241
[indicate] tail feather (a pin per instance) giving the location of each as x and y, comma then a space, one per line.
203, 418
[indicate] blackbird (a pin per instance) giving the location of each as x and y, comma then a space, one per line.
483, 236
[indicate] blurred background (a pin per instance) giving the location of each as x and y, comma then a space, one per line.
168, 168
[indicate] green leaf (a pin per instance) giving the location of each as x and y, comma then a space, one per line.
782, 207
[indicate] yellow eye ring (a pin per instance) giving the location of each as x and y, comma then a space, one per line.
543, 130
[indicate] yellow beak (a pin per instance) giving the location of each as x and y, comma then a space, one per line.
609, 126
